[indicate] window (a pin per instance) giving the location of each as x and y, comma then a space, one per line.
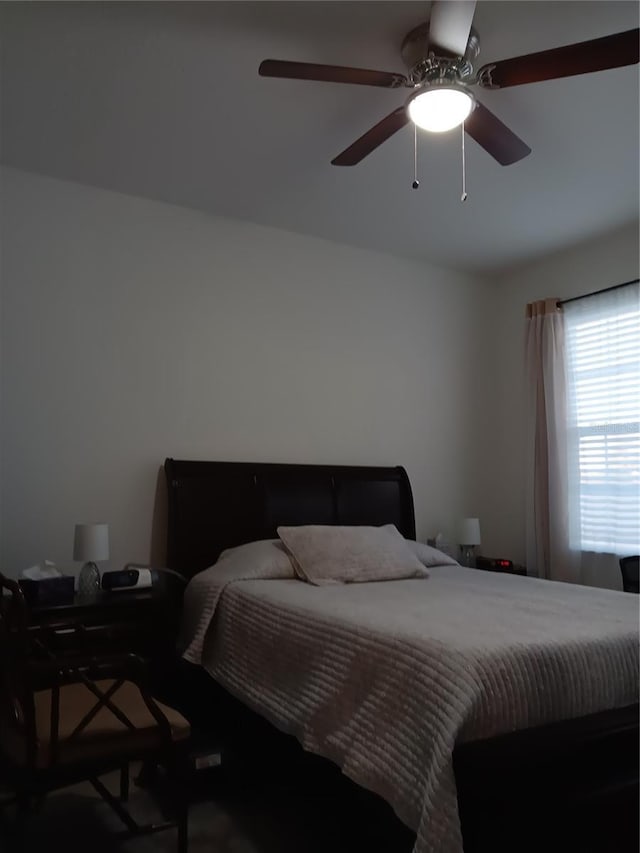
603, 394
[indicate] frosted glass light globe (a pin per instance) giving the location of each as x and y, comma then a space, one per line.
439, 108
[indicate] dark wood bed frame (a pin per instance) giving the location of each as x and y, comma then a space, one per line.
573, 785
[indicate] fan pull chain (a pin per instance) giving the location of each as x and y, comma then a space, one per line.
463, 197
416, 182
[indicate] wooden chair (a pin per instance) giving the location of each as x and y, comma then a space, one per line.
64, 720
629, 569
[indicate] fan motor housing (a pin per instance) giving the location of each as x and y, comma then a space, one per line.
421, 61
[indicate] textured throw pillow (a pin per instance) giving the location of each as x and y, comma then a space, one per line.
325, 554
429, 556
266, 557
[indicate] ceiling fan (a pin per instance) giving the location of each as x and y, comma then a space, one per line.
440, 56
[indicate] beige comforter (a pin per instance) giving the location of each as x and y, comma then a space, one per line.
384, 678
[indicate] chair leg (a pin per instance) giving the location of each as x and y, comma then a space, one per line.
148, 774
183, 827
178, 768
124, 783
23, 810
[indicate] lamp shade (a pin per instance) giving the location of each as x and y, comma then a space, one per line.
91, 542
469, 531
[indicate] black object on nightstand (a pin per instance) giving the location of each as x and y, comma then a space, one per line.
48, 591
495, 564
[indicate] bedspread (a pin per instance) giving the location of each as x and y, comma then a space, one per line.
385, 678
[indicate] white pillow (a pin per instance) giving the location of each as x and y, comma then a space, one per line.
265, 557
326, 554
429, 556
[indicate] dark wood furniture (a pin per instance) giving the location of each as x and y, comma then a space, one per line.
144, 622
66, 716
515, 569
630, 566
217, 505
557, 783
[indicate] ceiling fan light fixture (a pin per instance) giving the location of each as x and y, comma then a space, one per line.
438, 107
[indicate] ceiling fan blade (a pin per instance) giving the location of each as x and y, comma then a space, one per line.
372, 138
582, 58
330, 73
449, 26
495, 137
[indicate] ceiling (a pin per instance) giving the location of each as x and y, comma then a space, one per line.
163, 100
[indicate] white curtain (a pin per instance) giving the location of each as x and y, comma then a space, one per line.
583, 425
603, 439
548, 552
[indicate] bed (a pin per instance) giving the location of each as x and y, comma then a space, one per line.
446, 765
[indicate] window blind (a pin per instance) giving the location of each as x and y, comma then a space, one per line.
603, 395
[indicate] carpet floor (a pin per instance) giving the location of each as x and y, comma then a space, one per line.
251, 820
302, 813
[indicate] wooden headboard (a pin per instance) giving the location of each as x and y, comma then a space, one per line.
217, 505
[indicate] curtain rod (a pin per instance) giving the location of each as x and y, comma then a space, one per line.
596, 292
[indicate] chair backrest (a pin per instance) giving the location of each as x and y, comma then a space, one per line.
30, 670
16, 694
629, 569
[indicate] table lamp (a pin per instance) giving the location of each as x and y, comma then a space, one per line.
91, 544
468, 537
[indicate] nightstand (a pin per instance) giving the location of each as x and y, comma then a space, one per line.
144, 622
513, 569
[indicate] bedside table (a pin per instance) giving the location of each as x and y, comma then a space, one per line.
143, 622
515, 569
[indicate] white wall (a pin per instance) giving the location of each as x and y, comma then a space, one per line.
133, 330
613, 259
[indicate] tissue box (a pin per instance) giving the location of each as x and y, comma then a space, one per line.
48, 591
